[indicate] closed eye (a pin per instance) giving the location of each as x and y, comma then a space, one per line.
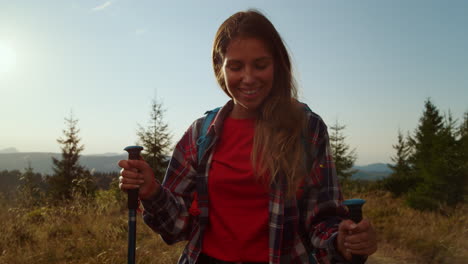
262, 63
261, 66
234, 66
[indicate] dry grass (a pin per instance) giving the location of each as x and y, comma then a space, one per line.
96, 232
79, 232
411, 236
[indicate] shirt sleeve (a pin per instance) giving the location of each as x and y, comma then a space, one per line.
167, 212
324, 198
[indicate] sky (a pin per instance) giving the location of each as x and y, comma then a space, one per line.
367, 64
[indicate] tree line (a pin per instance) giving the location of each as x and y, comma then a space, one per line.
70, 179
430, 167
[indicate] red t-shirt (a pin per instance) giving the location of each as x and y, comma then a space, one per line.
238, 209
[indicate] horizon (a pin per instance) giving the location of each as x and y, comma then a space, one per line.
41, 162
370, 65
123, 153
113, 154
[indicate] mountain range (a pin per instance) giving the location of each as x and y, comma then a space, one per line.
42, 162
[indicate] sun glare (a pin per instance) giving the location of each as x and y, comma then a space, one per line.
7, 58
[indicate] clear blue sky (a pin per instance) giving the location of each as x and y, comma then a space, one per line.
368, 64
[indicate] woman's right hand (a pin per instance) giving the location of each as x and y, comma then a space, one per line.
138, 174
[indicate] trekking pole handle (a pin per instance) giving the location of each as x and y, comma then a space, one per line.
355, 214
133, 154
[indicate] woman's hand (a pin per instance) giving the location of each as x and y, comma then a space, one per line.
357, 239
138, 174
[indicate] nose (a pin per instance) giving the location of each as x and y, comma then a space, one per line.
248, 76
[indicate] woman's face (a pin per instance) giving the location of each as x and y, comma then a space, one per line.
248, 68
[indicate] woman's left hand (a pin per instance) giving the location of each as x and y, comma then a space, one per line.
356, 239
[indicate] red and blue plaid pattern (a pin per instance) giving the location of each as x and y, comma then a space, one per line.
302, 229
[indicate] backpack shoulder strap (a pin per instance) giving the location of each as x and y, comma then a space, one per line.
307, 108
204, 139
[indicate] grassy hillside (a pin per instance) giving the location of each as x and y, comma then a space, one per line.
410, 236
79, 232
95, 231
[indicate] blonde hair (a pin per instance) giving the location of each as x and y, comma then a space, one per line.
278, 148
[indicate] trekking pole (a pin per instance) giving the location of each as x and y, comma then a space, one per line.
132, 204
355, 214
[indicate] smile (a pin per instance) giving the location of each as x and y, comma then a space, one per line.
249, 92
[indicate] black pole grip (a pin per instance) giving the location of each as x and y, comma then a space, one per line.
133, 154
355, 214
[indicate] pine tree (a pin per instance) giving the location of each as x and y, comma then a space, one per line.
29, 190
463, 132
462, 145
452, 163
434, 161
401, 180
156, 140
69, 176
9, 181
426, 139
343, 157
401, 166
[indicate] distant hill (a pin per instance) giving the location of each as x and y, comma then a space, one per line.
8, 150
374, 171
42, 162
380, 167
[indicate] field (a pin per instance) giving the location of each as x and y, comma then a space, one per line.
95, 231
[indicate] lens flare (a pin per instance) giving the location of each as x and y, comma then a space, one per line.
7, 58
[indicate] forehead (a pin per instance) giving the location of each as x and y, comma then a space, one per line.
245, 48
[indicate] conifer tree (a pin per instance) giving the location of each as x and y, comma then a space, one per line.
156, 140
452, 161
9, 181
463, 132
463, 154
69, 176
434, 161
400, 181
29, 190
426, 139
343, 157
401, 166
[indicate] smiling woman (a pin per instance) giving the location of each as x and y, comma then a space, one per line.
7, 57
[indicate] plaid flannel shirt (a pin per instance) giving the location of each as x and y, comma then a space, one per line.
302, 230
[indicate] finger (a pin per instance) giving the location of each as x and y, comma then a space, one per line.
128, 180
362, 226
123, 187
364, 242
126, 187
131, 173
359, 237
133, 165
346, 226
129, 183
364, 251
361, 245
140, 165
123, 164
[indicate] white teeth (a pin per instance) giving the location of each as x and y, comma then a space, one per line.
250, 91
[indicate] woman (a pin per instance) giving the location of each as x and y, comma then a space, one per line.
265, 190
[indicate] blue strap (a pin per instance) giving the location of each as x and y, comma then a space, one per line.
204, 139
